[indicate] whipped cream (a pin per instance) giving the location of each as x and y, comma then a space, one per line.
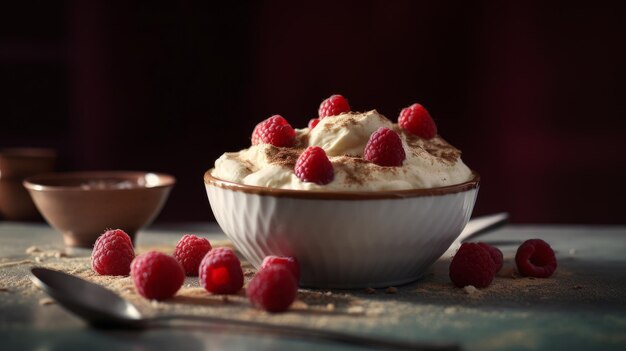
428, 164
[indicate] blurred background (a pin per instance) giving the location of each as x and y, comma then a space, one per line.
532, 92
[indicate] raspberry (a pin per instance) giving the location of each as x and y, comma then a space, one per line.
156, 275
472, 265
535, 258
313, 122
112, 253
314, 166
384, 148
220, 271
274, 130
189, 251
496, 255
273, 288
417, 121
286, 261
333, 106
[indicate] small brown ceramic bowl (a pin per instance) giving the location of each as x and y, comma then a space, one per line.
82, 205
15, 165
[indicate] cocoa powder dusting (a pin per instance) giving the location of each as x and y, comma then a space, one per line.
249, 165
436, 146
302, 140
345, 123
355, 169
348, 122
283, 156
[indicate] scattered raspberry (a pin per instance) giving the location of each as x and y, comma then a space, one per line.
156, 275
472, 265
220, 271
313, 122
189, 251
273, 289
384, 148
274, 130
535, 258
314, 166
496, 255
286, 261
333, 106
112, 253
417, 121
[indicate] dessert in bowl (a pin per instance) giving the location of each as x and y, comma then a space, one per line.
82, 205
358, 200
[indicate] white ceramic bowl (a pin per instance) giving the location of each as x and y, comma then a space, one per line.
344, 239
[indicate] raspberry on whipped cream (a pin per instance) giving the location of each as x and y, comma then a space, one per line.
429, 163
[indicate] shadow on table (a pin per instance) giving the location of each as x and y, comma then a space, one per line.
577, 283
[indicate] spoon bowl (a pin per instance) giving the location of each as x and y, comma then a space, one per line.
95, 304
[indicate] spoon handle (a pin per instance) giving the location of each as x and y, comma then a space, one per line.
481, 225
307, 333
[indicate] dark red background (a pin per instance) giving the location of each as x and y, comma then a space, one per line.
532, 93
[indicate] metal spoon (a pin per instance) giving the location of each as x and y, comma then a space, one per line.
481, 225
477, 227
103, 308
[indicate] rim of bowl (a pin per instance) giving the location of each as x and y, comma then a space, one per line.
473, 183
39, 182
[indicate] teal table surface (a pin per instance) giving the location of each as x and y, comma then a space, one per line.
581, 307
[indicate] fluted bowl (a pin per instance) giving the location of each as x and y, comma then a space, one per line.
344, 239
